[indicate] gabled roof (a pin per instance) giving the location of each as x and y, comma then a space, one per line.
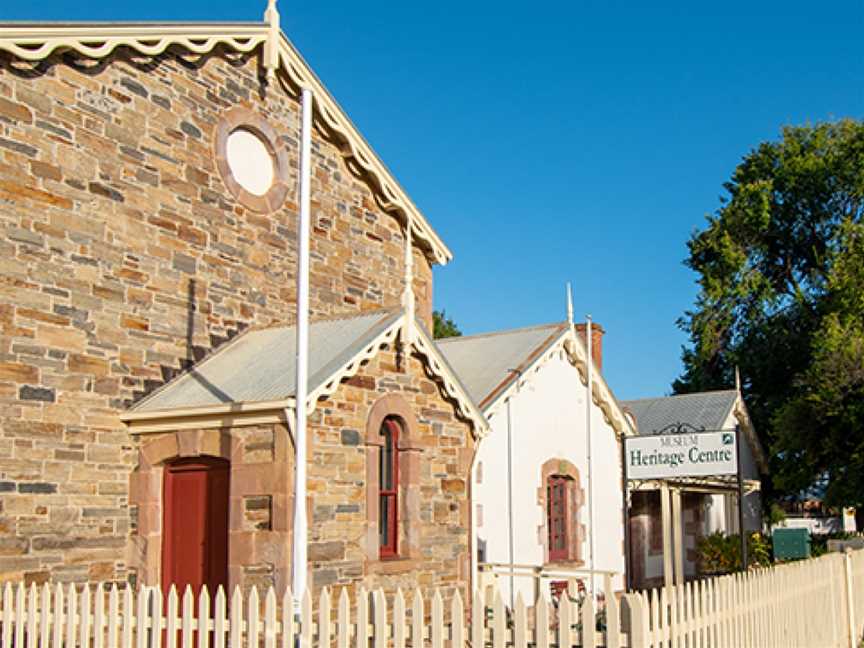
491, 365
260, 365
36, 41
257, 371
704, 410
487, 363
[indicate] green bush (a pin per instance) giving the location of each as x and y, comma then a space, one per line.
721, 554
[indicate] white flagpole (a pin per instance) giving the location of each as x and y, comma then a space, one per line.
301, 532
589, 402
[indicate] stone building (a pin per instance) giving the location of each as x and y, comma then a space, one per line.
148, 176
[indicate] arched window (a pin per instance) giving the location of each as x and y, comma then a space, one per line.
558, 504
388, 489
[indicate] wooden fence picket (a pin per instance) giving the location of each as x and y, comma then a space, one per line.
252, 611
171, 618
541, 624
400, 623
380, 634
457, 619
220, 624
306, 619
613, 617
565, 623
187, 619
343, 620
417, 617
499, 622
589, 638
288, 619
113, 615
59, 617
437, 629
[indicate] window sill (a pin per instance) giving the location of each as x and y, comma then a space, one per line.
563, 564
395, 565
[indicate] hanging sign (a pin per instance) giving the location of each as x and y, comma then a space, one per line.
691, 454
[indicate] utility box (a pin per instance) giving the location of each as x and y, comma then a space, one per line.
791, 544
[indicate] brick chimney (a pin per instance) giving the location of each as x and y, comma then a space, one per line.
597, 333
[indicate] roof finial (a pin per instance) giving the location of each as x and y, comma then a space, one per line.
737, 380
408, 295
569, 304
271, 46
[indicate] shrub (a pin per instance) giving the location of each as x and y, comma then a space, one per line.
721, 554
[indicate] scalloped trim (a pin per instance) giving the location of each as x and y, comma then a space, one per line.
353, 366
464, 405
602, 397
451, 385
34, 43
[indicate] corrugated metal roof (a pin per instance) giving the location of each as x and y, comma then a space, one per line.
484, 362
259, 365
704, 410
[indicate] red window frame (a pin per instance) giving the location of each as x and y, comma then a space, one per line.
557, 489
388, 490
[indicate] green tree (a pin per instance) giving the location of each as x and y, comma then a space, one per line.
820, 429
443, 326
768, 264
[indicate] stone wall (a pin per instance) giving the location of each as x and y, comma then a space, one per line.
261, 474
436, 449
435, 456
124, 259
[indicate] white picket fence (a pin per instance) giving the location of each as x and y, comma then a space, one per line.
808, 604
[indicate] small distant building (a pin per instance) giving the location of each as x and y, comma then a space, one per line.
703, 505
530, 383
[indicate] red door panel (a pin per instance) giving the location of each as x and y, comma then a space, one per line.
195, 525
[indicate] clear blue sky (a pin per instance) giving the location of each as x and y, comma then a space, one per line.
548, 142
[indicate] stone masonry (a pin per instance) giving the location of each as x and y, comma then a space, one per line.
123, 259
436, 454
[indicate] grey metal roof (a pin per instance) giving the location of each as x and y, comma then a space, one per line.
259, 365
704, 410
484, 362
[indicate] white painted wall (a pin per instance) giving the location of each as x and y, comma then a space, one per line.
548, 420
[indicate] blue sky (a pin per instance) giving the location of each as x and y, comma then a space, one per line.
564, 141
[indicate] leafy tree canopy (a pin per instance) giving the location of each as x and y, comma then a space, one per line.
443, 326
781, 277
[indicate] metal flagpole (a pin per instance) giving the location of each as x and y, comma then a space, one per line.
626, 509
298, 583
590, 378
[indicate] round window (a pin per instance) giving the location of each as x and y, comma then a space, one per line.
250, 161
252, 164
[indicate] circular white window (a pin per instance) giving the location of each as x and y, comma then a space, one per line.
250, 161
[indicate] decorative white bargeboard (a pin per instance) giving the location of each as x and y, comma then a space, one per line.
667, 456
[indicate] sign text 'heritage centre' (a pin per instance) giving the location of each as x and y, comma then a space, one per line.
696, 454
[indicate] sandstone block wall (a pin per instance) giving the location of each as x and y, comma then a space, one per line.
435, 459
124, 259
260, 506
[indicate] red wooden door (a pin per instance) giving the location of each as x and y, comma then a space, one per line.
195, 525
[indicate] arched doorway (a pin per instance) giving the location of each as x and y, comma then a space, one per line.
195, 524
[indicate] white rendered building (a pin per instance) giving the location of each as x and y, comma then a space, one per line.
531, 496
